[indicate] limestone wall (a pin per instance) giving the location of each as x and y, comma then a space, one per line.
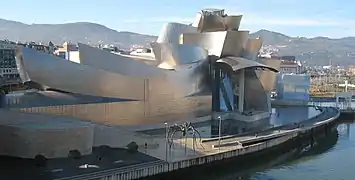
52, 143
27, 135
131, 112
119, 138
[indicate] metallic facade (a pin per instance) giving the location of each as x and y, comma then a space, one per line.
171, 31
174, 55
230, 43
251, 48
206, 68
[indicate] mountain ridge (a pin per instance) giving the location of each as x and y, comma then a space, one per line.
315, 50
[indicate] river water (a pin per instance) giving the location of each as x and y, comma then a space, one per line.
335, 161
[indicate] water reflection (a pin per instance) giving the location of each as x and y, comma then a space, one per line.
344, 130
332, 163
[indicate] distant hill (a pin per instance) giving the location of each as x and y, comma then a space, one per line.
75, 32
318, 50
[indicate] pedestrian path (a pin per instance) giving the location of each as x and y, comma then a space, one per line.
187, 148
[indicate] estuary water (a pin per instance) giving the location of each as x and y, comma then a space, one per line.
333, 159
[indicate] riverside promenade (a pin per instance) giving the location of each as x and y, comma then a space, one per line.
347, 109
187, 153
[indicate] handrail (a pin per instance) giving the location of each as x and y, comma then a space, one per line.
326, 116
325, 111
99, 174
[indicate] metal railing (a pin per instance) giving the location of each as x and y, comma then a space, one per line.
339, 105
113, 171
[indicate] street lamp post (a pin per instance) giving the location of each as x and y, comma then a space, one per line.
219, 131
166, 141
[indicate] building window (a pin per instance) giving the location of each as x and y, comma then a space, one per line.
62, 55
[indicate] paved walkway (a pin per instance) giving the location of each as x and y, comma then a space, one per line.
145, 127
183, 147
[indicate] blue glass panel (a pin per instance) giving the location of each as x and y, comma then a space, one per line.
226, 95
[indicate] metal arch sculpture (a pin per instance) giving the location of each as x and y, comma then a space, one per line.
184, 128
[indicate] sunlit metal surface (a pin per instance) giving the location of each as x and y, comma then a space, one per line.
178, 83
268, 79
255, 95
178, 54
171, 32
116, 63
214, 23
251, 48
221, 43
69, 76
238, 63
106, 81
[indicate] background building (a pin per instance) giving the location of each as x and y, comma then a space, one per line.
8, 69
351, 70
288, 66
39, 47
293, 87
69, 52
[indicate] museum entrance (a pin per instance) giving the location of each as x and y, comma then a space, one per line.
227, 88
227, 98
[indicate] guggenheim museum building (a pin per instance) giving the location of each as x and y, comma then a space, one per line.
207, 68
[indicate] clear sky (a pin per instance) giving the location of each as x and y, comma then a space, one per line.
310, 18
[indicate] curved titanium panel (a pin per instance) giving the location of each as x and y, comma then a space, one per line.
20, 66
64, 75
171, 32
68, 76
162, 95
178, 54
252, 48
147, 60
220, 44
107, 61
197, 20
255, 97
238, 63
185, 80
156, 48
267, 78
213, 23
165, 65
